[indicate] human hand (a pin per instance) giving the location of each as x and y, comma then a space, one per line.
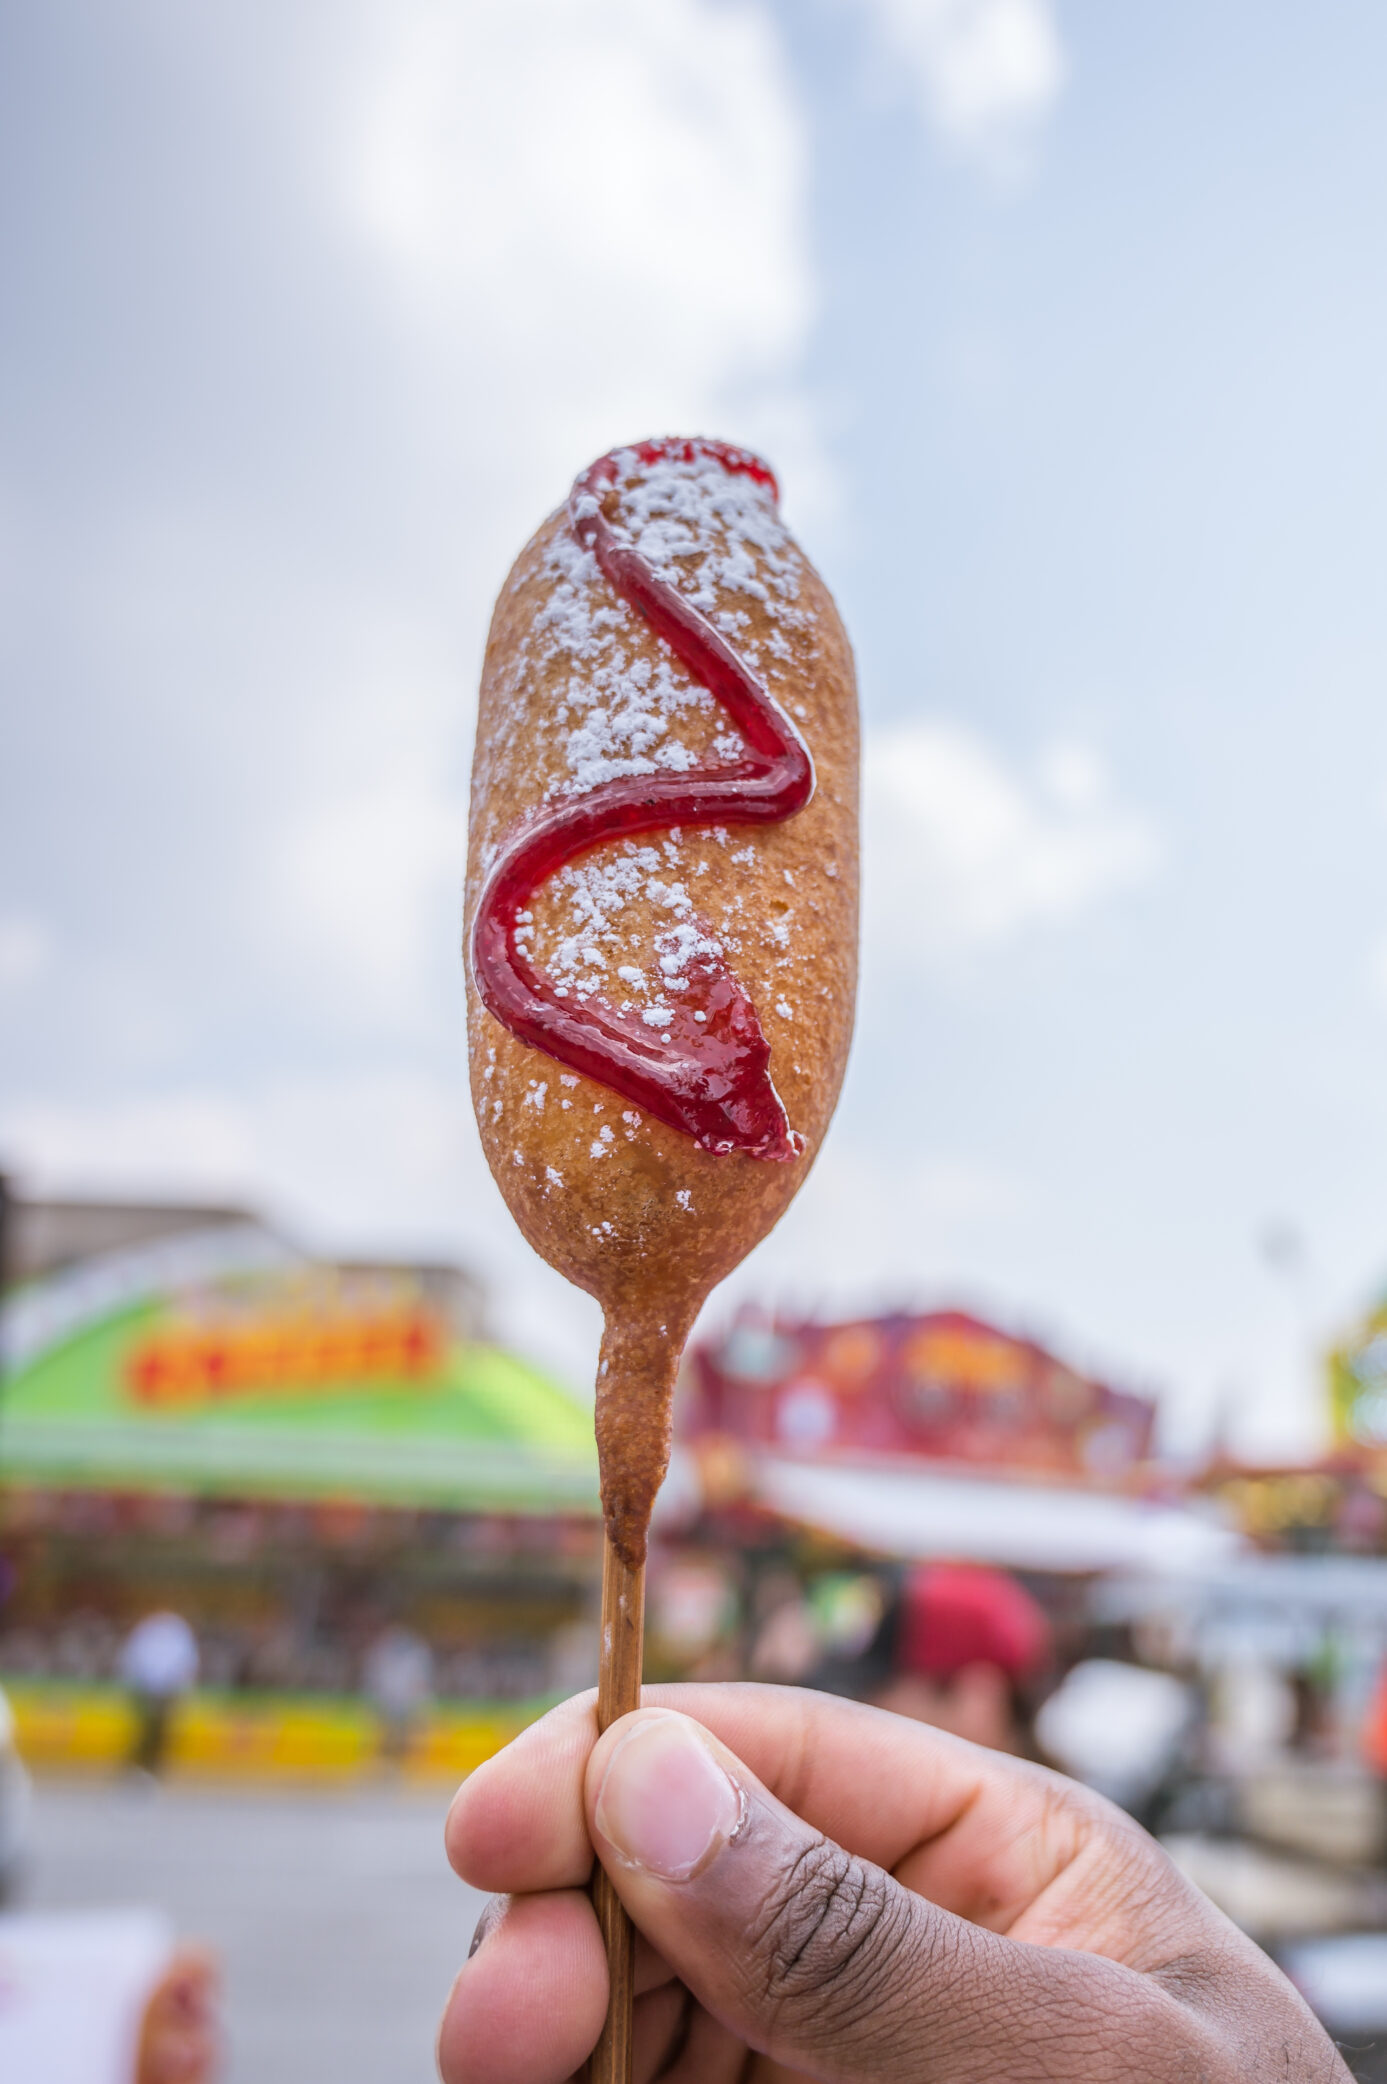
178, 2033
826, 1891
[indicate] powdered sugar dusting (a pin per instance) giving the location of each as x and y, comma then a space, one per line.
595, 701
588, 957
715, 536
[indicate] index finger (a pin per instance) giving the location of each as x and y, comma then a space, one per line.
979, 1833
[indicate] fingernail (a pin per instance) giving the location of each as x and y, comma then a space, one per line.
665, 1803
491, 1916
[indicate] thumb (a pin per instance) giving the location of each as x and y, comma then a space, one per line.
823, 1961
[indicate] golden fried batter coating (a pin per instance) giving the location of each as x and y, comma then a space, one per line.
577, 689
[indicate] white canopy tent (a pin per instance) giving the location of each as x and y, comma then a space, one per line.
923, 1512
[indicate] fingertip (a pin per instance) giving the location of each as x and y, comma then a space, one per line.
639, 1723
662, 1794
516, 1823
466, 1812
528, 2006
617, 1734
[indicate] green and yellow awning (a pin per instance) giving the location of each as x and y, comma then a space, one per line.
264, 1388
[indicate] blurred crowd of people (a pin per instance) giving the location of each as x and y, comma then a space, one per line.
278, 1656
1185, 1733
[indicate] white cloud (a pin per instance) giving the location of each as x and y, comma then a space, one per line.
873, 1225
25, 951
539, 229
565, 226
1377, 972
962, 853
354, 1155
191, 1142
358, 879
594, 218
590, 223
985, 72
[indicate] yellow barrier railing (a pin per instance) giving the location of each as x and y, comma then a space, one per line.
63, 1727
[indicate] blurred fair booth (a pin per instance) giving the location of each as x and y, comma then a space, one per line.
1220, 1634
807, 1452
327, 1469
935, 1435
384, 1533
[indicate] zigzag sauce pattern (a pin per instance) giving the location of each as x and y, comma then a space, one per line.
706, 1072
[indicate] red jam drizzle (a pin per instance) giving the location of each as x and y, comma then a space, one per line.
706, 1071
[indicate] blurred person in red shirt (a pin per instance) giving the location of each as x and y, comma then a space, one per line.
961, 1647
970, 1643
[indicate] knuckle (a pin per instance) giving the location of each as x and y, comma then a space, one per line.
826, 1938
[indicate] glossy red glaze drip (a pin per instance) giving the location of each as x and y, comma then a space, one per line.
707, 1072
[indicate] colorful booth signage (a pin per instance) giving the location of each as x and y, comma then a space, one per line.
945, 1386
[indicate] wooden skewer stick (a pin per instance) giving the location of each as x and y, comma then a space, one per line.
618, 1692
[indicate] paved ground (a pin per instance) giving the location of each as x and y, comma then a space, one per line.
339, 1924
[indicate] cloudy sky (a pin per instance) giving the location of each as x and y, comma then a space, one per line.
1065, 325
